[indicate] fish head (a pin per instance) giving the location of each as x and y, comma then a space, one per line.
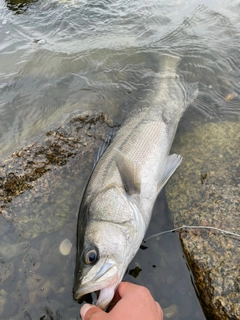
105, 247
97, 273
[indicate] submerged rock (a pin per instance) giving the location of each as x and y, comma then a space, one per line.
65, 247
9, 251
205, 191
40, 185
6, 270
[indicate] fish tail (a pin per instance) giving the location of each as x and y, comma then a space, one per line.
168, 69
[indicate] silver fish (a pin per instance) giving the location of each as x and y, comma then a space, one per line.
117, 204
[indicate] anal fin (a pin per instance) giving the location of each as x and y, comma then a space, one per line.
173, 161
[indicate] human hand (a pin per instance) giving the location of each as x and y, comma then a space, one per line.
129, 303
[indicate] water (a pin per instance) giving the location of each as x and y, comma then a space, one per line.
57, 57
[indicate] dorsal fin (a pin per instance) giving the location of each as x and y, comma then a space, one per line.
129, 173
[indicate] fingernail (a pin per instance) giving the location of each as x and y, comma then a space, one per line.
85, 309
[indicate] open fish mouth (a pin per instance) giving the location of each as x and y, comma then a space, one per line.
105, 297
104, 283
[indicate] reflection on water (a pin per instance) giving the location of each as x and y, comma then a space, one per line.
57, 57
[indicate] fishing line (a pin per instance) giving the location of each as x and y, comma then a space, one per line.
194, 227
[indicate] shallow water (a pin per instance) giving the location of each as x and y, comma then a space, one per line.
57, 57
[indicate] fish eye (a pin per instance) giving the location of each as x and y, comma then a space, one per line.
91, 256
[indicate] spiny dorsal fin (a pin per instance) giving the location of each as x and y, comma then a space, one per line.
173, 161
129, 173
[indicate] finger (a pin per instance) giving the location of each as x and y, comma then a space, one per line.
117, 295
159, 309
124, 288
130, 290
88, 311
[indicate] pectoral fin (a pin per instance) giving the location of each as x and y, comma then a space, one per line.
173, 161
129, 173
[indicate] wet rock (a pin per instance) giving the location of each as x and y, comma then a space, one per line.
204, 191
34, 281
6, 270
39, 184
39, 293
31, 258
65, 247
36, 266
170, 312
52, 310
19, 6
9, 251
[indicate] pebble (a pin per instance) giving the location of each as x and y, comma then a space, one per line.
36, 266
6, 270
230, 96
31, 257
41, 41
65, 247
33, 282
170, 311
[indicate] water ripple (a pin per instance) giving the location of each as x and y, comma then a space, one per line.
57, 54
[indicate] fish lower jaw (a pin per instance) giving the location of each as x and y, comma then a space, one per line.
106, 288
105, 296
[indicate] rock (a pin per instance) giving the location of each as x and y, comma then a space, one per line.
39, 184
9, 251
6, 270
170, 311
205, 191
65, 247
34, 281
31, 258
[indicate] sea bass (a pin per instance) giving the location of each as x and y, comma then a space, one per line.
117, 204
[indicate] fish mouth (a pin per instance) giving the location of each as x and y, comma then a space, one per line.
105, 282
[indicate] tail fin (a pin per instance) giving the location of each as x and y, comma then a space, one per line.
172, 93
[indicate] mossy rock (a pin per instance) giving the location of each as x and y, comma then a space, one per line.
41, 185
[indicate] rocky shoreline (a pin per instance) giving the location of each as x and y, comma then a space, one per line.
205, 191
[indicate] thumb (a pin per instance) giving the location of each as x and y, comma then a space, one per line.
88, 311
